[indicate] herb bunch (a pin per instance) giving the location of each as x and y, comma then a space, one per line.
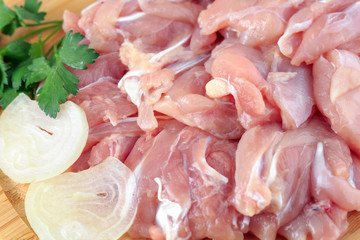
24, 65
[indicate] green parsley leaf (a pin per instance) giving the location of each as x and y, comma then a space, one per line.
19, 73
7, 15
11, 27
3, 76
55, 89
16, 51
24, 65
59, 81
30, 11
36, 49
9, 95
39, 69
75, 55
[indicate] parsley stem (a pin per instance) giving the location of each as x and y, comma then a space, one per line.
37, 31
57, 44
57, 22
52, 34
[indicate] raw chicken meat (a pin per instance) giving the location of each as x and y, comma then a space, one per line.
290, 41
254, 22
234, 73
103, 101
71, 22
315, 222
216, 117
292, 88
286, 169
234, 116
184, 197
155, 39
326, 33
106, 66
116, 145
98, 22
336, 89
107, 140
179, 11
127, 127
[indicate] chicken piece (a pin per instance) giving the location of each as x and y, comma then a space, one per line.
240, 78
178, 11
103, 101
106, 67
98, 22
115, 145
326, 33
187, 195
186, 101
292, 88
336, 89
299, 22
254, 22
317, 222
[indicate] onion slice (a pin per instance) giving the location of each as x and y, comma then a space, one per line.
97, 203
33, 146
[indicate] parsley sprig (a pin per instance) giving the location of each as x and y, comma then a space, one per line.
24, 65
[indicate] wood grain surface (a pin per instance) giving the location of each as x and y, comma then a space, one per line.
13, 223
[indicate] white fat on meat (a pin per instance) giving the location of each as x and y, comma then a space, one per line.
130, 84
351, 177
327, 186
169, 215
157, 57
182, 66
134, 16
90, 6
209, 175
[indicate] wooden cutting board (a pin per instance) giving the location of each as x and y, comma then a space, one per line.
13, 223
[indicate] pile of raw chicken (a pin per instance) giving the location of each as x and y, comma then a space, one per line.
235, 116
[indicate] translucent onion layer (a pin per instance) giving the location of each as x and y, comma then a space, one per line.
33, 146
98, 203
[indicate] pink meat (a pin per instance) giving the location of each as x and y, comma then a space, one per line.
352, 46
158, 150
71, 22
239, 76
197, 190
152, 33
115, 145
81, 163
200, 43
303, 19
186, 102
292, 88
179, 11
107, 140
233, 45
336, 89
102, 102
354, 178
126, 127
211, 167
264, 226
105, 66
326, 185
317, 223
328, 32
251, 194
255, 22
268, 184
98, 23
152, 87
